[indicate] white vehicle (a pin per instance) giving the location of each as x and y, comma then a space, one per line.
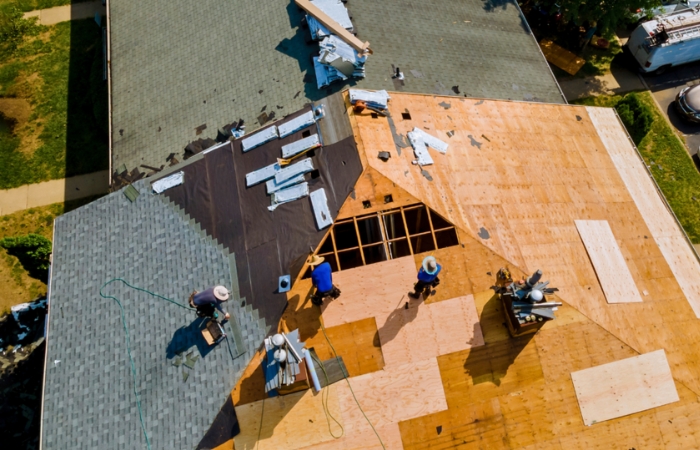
667, 40
667, 6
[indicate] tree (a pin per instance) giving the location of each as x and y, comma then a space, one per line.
608, 14
32, 250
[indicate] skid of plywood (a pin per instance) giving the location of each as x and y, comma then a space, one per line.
668, 236
425, 331
610, 266
624, 387
290, 422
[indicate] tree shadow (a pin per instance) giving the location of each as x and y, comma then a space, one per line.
490, 362
87, 115
185, 338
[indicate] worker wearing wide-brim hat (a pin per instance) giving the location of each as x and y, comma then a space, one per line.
214, 296
322, 279
427, 277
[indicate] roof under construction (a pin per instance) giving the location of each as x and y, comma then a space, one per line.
523, 186
181, 70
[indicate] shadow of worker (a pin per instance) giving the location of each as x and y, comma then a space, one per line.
185, 338
489, 363
405, 313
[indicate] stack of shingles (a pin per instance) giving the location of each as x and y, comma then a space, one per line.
285, 181
283, 373
337, 61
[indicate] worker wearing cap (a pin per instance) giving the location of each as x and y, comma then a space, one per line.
213, 296
427, 277
322, 280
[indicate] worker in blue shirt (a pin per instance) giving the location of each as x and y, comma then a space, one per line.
209, 299
322, 280
427, 278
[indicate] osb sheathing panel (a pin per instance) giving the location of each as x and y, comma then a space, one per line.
374, 187
524, 173
624, 387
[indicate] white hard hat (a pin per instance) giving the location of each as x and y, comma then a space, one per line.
280, 355
536, 295
277, 340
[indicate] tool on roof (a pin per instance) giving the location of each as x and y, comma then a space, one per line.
525, 302
286, 368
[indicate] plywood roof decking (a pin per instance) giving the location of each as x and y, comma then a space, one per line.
624, 387
614, 276
524, 173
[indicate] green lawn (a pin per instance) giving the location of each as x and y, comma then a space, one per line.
59, 72
31, 5
671, 166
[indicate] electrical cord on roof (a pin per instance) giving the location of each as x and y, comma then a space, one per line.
345, 375
128, 344
324, 401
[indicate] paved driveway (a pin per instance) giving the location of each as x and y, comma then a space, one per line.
665, 87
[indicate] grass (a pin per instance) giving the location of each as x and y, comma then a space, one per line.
598, 61
31, 5
671, 166
16, 286
62, 136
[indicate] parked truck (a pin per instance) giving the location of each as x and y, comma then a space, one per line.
667, 40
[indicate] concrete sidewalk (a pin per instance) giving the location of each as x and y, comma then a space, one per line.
51, 16
619, 81
54, 191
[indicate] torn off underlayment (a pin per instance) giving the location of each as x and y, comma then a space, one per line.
423, 157
273, 186
300, 146
259, 138
260, 175
319, 202
338, 54
289, 195
429, 140
173, 180
336, 10
294, 125
325, 75
303, 166
376, 99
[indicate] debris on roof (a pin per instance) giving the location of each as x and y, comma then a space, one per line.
288, 195
300, 146
173, 180
284, 360
259, 138
299, 123
423, 157
301, 167
319, 202
260, 175
377, 99
430, 141
336, 10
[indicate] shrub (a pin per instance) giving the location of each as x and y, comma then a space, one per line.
32, 250
13, 28
635, 115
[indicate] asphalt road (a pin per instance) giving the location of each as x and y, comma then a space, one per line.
665, 87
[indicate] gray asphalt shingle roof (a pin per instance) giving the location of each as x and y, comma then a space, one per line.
89, 401
179, 64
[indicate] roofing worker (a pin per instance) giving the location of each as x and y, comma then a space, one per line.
322, 280
212, 298
427, 278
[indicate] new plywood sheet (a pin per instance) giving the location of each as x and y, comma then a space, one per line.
675, 249
610, 266
290, 422
624, 387
424, 331
370, 291
367, 440
391, 395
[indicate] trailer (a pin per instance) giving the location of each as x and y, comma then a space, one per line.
666, 41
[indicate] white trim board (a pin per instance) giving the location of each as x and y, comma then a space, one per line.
613, 274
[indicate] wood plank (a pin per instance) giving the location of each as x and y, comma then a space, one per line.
624, 387
334, 26
610, 266
292, 421
561, 57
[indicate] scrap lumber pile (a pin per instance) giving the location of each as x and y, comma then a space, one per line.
338, 60
525, 303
